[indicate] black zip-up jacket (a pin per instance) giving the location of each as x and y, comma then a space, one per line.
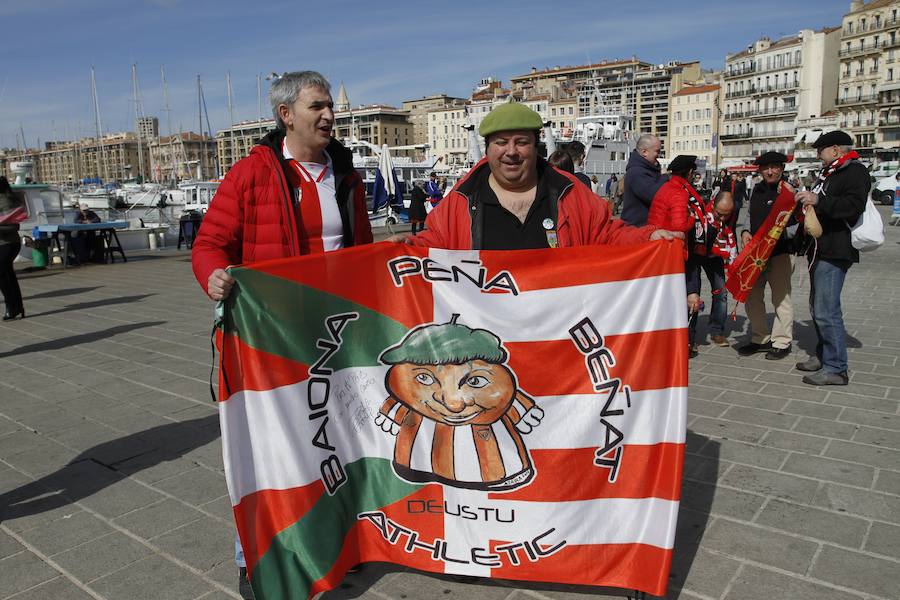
841, 203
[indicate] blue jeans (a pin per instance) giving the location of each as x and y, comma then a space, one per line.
826, 282
714, 268
238, 552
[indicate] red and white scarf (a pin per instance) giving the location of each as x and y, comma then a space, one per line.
819, 185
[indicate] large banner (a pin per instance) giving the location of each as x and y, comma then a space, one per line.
518, 415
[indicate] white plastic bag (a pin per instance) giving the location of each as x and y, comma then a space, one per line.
868, 233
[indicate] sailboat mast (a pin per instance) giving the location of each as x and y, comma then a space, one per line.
231, 119
138, 114
162, 74
258, 98
200, 119
101, 155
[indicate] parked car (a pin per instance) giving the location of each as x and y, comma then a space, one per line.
884, 189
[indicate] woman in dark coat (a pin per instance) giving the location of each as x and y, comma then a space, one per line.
417, 207
11, 212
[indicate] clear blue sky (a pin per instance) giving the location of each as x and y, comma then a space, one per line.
383, 51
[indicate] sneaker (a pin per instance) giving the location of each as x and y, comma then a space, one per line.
826, 378
244, 588
720, 340
778, 353
810, 365
754, 348
693, 351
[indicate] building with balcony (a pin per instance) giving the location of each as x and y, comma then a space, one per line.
448, 139
868, 97
769, 86
418, 115
113, 157
181, 156
631, 87
694, 122
377, 124
234, 143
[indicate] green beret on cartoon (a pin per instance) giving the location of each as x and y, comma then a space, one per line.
448, 343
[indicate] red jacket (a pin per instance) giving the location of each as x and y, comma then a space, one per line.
582, 218
669, 209
252, 216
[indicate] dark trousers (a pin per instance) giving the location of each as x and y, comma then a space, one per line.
714, 268
9, 285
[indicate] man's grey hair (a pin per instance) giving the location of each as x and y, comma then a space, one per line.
646, 141
285, 89
845, 149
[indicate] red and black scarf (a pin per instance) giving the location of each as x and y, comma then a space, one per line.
826, 172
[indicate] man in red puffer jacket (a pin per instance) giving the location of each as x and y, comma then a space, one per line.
670, 208
297, 193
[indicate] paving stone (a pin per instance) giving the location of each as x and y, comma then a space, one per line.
152, 578
23, 571
764, 418
719, 428
221, 508
884, 539
707, 499
156, 519
705, 408
754, 543
704, 392
121, 497
842, 431
874, 379
701, 571
878, 437
752, 400
197, 486
812, 409
779, 485
798, 442
830, 470
55, 589
857, 571
64, 533
732, 384
101, 556
815, 523
750, 454
755, 583
202, 543
875, 456
888, 481
871, 418
863, 402
792, 392
864, 503
9, 545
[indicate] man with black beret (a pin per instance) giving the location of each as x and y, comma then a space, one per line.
776, 343
839, 198
513, 199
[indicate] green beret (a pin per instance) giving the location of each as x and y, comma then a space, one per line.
448, 343
510, 116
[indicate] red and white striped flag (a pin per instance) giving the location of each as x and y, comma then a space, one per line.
518, 415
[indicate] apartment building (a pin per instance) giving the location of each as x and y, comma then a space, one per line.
770, 85
147, 128
868, 97
694, 118
418, 114
377, 124
181, 156
114, 157
448, 138
234, 143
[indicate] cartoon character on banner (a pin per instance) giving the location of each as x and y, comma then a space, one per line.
456, 409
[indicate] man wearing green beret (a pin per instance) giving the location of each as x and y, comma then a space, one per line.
514, 200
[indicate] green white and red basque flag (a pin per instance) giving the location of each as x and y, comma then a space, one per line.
518, 415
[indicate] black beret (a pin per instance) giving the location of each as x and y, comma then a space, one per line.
833, 138
683, 162
770, 158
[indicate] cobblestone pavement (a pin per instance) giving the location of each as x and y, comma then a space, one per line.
111, 481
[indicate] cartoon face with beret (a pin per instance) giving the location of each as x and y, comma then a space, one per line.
456, 409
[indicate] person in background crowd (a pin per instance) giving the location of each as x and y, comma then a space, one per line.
577, 151
12, 212
643, 177
739, 192
296, 193
562, 160
513, 199
775, 342
839, 197
417, 212
618, 195
595, 185
433, 189
87, 245
670, 207
711, 246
